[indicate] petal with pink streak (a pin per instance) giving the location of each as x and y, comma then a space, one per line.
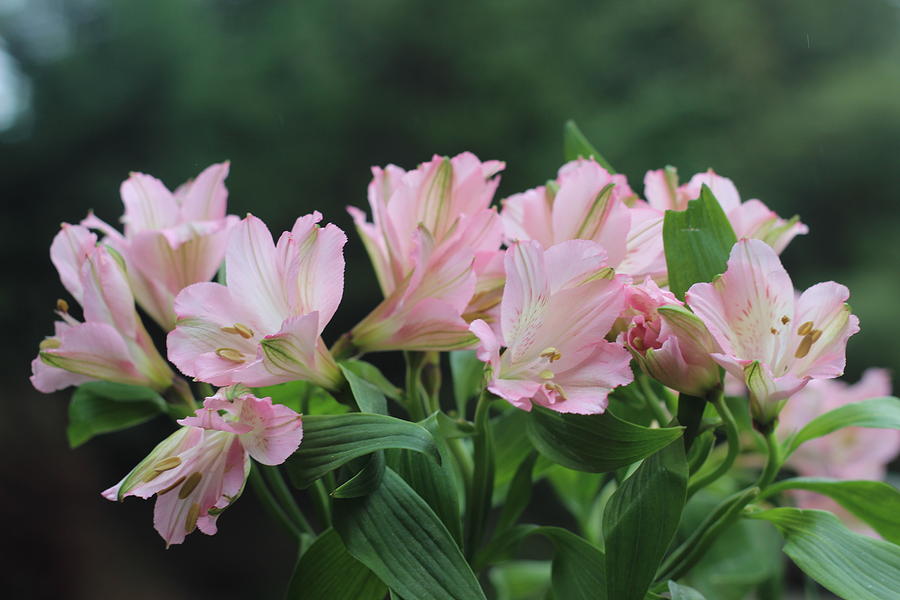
586, 387
205, 198
525, 297
107, 295
315, 278
68, 252
275, 430
742, 308
489, 344
148, 204
253, 274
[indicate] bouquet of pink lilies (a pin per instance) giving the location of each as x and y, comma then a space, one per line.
645, 360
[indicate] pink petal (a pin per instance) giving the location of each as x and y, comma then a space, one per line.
721, 187
527, 216
525, 297
205, 198
824, 305
587, 385
148, 204
68, 252
315, 276
107, 295
276, 430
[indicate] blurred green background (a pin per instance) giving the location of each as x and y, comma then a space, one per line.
798, 102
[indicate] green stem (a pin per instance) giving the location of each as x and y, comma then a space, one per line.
268, 501
284, 496
322, 501
462, 459
653, 401
773, 461
480, 493
734, 447
416, 403
205, 389
183, 390
686, 555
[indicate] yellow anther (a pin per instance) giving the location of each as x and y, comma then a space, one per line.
773, 331
551, 353
785, 320
62, 305
638, 343
50, 343
155, 474
805, 345
555, 387
191, 521
240, 329
189, 485
546, 374
230, 354
815, 334
805, 328
167, 463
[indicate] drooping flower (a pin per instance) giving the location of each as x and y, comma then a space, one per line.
848, 453
586, 202
558, 304
200, 470
669, 342
750, 219
171, 239
432, 241
265, 326
775, 342
111, 344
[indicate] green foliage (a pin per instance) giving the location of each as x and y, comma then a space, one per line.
326, 571
594, 443
640, 521
395, 534
521, 579
878, 413
101, 407
369, 396
697, 242
875, 502
682, 592
576, 145
849, 564
468, 375
330, 441
302, 397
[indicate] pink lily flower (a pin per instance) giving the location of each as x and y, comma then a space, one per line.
848, 453
111, 344
432, 241
200, 470
265, 326
775, 342
586, 202
171, 239
750, 219
670, 343
558, 304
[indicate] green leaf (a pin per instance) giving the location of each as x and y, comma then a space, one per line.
365, 480
302, 397
370, 373
511, 446
578, 567
467, 373
640, 521
875, 413
395, 534
521, 579
102, 406
594, 443
326, 571
875, 502
846, 563
330, 441
683, 592
369, 398
576, 145
519, 494
697, 242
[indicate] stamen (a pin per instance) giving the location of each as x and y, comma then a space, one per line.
50, 343
785, 320
815, 335
773, 331
546, 374
191, 521
167, 463
190, 484
638, 343
230, 354
551, 353
805, 328
803, 348
168, 489
62, 305
240, 329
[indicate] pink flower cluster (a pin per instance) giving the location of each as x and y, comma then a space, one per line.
559, 291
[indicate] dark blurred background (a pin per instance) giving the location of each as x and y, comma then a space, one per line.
798, 102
